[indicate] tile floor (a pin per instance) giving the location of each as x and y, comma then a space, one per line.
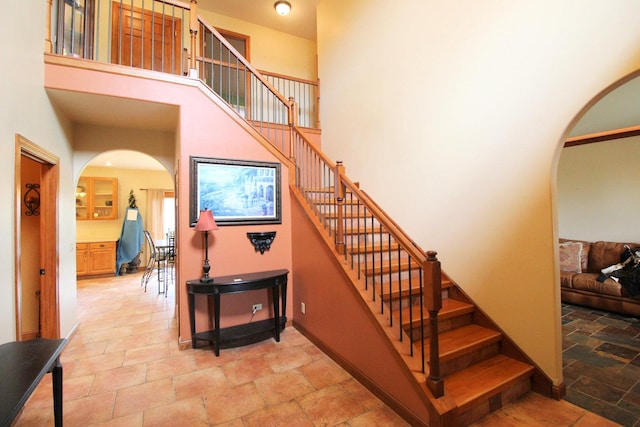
601, 354
123, 368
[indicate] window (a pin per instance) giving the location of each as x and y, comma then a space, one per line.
169, 213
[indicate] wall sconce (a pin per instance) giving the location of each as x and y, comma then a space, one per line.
282, 7
32, 199
262, 241
205, 224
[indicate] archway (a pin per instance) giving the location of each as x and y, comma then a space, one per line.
135, 174
597, 198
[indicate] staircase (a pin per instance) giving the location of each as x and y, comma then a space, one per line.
476, 361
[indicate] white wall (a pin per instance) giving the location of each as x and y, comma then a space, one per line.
25, 109
460, 138
599, 191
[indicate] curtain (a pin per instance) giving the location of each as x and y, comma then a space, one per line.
155, 219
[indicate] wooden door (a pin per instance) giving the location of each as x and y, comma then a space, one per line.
146, 40
45, 255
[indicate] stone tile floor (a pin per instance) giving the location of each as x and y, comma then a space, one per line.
123, 368
601, 363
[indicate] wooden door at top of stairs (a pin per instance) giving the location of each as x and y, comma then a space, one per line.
151, 40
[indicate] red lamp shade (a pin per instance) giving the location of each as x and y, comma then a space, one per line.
205, 224
206, 221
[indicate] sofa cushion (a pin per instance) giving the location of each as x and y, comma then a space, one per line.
570, 257
603, 255
566, 278
584, 255
589, 282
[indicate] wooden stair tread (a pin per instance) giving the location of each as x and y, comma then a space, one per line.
349, 215
368, 229
361, 248
484, 379
414, 285
390, 267
465, 339
450, 308
332, 201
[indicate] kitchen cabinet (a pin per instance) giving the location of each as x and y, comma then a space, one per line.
96, 198
94, 258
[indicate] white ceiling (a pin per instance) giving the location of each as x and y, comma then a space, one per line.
102, 110
300, 22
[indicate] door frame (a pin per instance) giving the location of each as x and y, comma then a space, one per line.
48, 253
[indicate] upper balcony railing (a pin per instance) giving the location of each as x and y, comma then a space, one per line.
169, 36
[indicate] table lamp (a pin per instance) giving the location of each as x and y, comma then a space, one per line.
205, 224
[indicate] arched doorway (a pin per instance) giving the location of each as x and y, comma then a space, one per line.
597, 197
135, 175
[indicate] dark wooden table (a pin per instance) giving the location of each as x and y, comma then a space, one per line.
22, 366
276, 280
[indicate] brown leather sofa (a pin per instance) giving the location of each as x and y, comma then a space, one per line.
578, 278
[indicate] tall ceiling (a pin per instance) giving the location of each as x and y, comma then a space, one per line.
300, 22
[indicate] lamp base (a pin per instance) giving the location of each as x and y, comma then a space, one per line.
206, 279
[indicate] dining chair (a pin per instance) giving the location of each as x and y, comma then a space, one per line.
171, 257
156, 261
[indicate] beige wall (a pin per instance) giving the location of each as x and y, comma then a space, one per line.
471, 127
128, 179
25, 109
272, 50
598, 186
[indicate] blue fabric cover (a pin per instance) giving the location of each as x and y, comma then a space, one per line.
131, 238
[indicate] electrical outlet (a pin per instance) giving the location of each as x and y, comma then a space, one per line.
303, 308
256, 307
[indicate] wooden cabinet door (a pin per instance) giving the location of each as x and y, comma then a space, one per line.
102, 257
82, 265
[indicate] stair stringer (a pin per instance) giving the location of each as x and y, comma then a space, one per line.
388, 337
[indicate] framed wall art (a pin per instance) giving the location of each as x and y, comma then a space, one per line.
238, 192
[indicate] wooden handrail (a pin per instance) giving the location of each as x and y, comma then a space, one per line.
431, 279
246, 63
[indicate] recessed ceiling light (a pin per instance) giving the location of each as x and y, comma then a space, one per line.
282, 7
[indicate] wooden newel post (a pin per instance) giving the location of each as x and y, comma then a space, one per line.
339, 192
433, 301
193, 30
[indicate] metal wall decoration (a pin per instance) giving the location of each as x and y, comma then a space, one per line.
32, 199
262, 241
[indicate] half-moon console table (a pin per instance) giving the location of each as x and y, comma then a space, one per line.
22, 366
235, 336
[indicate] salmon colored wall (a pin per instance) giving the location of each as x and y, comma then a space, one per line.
30, 253
206, 128
335, 316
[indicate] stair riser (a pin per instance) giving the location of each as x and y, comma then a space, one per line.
394, 277
459, 363
484, 407
357, 224
367, 259
443, 325
329, 208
